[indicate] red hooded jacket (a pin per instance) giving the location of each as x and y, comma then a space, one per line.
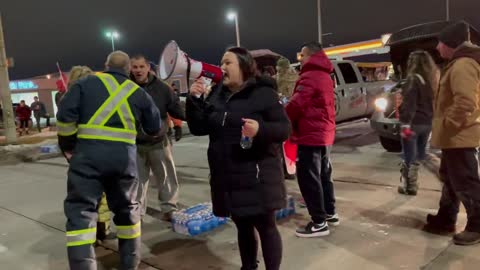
312, 106
23, 113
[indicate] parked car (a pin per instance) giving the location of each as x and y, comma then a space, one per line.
424, 36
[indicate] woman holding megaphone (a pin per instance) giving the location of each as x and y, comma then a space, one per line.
246, 124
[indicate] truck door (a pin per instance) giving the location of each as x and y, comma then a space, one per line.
355, 103
339, 96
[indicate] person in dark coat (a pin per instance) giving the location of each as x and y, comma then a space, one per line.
39, 111
155, 153
416, 113
246, 184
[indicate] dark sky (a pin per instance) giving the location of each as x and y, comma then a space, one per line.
39, 33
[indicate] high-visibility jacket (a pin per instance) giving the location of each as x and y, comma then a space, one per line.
106, 107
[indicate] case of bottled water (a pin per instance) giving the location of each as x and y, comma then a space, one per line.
196, 220
288, 211
46, 149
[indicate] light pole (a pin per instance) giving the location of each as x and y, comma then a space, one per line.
113, 35
8, 116
234, 17
319, 14
447, 4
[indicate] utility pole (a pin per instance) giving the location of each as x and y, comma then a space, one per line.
319, 13
8, 116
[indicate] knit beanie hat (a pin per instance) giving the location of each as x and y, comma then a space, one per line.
455, 34
283, 63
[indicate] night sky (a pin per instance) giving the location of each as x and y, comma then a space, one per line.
39, 33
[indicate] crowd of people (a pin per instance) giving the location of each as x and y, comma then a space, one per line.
114, 135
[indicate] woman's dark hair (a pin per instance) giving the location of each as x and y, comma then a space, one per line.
246, 62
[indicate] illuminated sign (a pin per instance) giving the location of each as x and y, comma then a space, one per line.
23, 85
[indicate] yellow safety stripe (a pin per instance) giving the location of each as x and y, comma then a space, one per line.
81, 243
117, 102
81, 237
111, 84
66, 129
72, 233
129, 232
132, 88
94, 132
104, 106
125, 109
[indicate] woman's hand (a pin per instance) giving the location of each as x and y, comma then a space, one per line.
250, 128
198, 88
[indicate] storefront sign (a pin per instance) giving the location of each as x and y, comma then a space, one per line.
23, 85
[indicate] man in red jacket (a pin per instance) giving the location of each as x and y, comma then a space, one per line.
23, 113
312, 113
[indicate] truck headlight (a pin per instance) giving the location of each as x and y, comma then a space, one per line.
381, 104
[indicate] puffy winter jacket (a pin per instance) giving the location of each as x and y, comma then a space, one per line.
244, 182
312, 107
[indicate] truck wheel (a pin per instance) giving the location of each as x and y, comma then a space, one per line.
391, 145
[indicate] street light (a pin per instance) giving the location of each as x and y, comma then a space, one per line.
113, 35
232, 16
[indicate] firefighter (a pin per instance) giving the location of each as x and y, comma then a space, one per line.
97, 121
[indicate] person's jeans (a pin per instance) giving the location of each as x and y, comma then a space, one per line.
415, 148
37, 119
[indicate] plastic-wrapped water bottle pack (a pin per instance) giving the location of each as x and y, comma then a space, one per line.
196, 220
46, 149
288, 211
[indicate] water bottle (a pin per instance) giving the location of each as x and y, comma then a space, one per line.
246, 142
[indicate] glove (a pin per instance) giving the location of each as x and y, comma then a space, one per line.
67, 155
178, 133
406, 132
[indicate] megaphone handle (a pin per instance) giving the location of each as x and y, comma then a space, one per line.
189, 67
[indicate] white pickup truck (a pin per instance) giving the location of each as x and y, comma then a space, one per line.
356, 89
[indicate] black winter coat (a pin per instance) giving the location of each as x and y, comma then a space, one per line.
417, 104
167, 102
243, 182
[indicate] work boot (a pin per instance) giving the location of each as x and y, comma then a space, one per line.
404, 169
466, 238
412, 184
437, 224
408, 179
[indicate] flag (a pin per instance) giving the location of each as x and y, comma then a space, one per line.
62, 81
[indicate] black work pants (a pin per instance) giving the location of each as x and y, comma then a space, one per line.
314, 173
459, 172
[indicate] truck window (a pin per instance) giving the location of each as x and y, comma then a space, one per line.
334, 77
348, 73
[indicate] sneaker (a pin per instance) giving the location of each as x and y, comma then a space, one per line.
438, 225
333, 220
466, 238
313, 230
